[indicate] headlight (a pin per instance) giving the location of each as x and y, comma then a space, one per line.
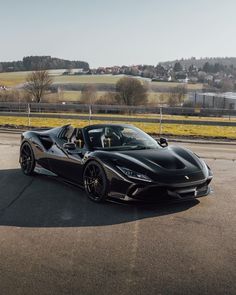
133, 174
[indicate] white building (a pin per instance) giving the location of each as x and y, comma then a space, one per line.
213, 100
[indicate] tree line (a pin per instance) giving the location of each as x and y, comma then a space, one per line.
128, 91
34, 63
199, 62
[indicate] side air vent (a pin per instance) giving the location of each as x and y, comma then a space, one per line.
46, 141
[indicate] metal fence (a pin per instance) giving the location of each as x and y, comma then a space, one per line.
113, 109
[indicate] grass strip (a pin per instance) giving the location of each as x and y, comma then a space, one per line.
152, 128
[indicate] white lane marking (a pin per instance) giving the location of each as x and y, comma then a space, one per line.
131, 278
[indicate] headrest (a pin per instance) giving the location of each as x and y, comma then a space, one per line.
108, 132
79, 134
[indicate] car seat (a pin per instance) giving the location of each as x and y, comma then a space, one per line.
109, 138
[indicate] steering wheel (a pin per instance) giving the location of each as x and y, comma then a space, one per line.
129, 141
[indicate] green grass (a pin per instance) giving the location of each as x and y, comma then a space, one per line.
13, 79
87, 79
197, 86
16, 78
70, 96
153, 97
157, 97
152, 128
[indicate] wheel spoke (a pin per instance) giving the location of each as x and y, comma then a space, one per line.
25, 153
94, 182
23, 161
91, 188
91, 171
27, 159
98, 188
94, 173
89, 178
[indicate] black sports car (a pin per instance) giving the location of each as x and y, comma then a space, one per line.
118, 161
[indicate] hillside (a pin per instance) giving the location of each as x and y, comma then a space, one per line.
226, 61
32, 63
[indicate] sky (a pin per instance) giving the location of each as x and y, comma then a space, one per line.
122, 32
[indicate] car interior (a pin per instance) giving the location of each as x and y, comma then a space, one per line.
77, 138
72, 135
105, 137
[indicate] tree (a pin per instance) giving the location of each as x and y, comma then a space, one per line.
177, 95
178, 67
108, 98
14, 95
37, 83
88, 94
227, 85
192, 69
207, 68
131, 91
160, 70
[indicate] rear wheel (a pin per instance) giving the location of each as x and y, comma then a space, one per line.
95, 182
27, 160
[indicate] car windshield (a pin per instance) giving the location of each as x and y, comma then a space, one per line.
120, 138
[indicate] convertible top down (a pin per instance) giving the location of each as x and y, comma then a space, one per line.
118, 161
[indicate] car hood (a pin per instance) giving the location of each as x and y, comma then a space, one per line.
174, 163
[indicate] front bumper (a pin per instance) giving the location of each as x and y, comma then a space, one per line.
124, 189
151, 193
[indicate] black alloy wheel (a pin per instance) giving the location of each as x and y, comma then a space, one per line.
95, 182
27, 160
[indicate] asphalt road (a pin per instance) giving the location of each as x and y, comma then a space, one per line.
53, 240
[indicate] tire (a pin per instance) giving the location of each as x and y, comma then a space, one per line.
27, 159
95, 182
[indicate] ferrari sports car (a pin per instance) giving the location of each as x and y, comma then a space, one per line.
116, 161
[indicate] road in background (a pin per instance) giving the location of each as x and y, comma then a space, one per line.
53, 240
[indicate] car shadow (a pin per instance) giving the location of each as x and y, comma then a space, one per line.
42, 201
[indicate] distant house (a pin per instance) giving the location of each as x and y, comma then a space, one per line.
181, 77
73, 72
209, 78
162, 79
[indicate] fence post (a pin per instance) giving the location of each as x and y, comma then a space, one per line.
213, 102
90, 113
160, 125
29, 122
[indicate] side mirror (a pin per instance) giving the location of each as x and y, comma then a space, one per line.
163, 142
70, 146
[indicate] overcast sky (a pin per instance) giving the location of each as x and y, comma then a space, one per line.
109, 32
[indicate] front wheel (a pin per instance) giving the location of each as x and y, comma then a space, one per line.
95, 182
27, 160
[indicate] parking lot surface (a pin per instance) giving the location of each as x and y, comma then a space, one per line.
53, 240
